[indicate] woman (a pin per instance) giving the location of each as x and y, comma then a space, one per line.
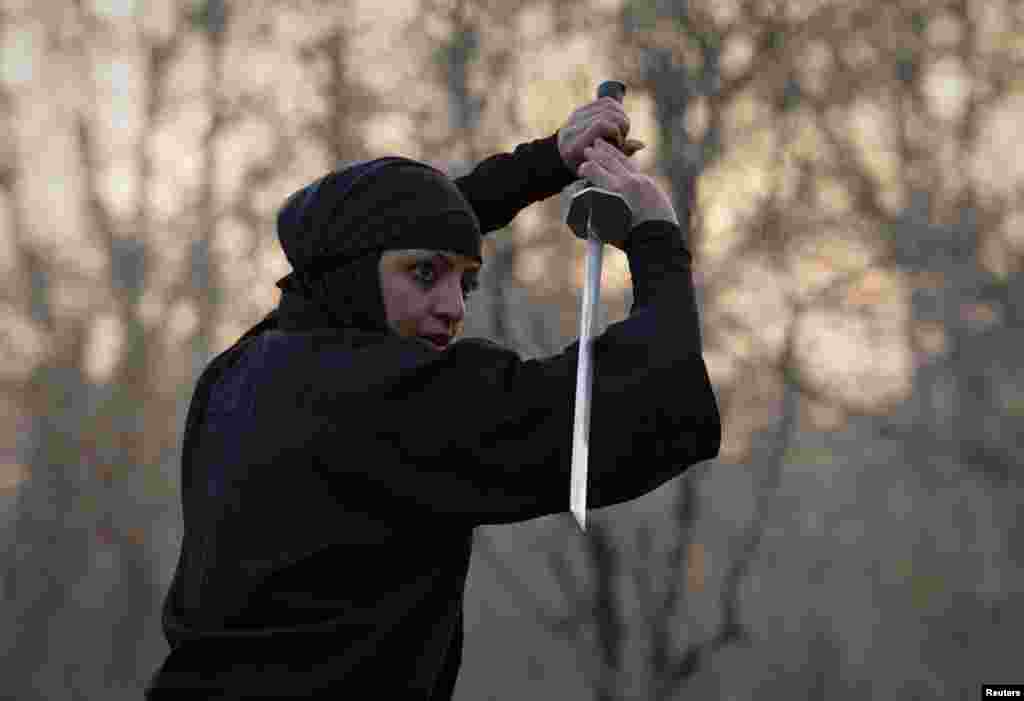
338, 457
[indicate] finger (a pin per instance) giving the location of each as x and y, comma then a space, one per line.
613, 158
605, 129
619, 116
584, 122
615, 112
611, 102
619, 119
632, 146
587, 110
592, 109
596, 173
603, 103
610, 160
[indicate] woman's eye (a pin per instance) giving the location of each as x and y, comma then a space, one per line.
425, 273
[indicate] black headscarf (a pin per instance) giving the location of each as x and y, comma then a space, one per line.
334, 231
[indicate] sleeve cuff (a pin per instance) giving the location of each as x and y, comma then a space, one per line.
554, 174
659, 263
655, 235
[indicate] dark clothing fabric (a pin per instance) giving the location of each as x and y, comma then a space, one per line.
349, 296
332, 477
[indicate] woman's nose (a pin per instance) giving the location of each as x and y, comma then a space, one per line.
451, 304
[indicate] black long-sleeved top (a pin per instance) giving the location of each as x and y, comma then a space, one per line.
332, 477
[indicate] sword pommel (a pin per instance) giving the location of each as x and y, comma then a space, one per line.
612, 88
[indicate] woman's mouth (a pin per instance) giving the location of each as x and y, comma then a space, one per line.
439, 341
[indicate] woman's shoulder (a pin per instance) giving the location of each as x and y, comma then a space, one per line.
334, 351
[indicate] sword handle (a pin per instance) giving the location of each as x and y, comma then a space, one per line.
594, 212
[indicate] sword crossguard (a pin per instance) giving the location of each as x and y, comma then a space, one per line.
599, 213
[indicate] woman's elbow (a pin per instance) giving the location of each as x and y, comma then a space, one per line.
710, 426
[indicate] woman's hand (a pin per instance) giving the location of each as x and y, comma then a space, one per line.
607, 167
603, 118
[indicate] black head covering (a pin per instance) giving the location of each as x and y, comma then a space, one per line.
334, 230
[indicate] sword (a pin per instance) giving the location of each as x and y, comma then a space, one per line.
595, 215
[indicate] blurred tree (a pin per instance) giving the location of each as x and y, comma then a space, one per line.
209, 17
52, 540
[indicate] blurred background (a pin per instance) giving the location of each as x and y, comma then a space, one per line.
858, 244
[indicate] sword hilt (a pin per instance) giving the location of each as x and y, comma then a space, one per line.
615, 89
595, 212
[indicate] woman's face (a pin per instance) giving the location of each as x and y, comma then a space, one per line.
425, 292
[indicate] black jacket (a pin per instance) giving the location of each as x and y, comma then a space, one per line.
332, 478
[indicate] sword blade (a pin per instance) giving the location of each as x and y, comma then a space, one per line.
584, 375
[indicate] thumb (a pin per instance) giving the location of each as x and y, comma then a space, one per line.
632, 146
